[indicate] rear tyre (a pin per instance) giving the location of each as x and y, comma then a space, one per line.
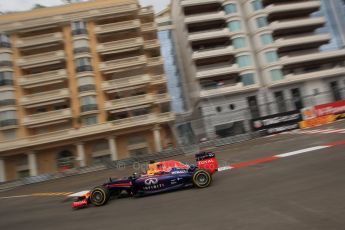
99, 196
202, 178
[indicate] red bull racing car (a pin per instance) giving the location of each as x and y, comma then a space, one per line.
160, 177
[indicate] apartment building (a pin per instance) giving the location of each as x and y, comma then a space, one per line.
248, 58
79, 84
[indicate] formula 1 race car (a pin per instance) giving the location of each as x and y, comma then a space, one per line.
160, 177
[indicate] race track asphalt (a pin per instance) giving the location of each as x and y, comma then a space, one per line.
305, 191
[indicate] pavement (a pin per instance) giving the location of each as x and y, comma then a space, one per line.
303, 191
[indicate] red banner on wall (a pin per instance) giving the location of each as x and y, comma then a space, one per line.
330, 108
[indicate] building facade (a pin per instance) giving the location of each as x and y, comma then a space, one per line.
251, 58
80, 84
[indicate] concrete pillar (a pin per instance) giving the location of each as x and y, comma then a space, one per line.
32, 161
2, 171
157, 138
113, 148
81, 154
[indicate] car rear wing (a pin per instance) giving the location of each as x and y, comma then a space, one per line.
207, 160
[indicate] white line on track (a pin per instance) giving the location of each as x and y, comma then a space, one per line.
9, 197
300, 151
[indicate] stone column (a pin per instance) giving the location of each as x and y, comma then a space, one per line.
32, 161
157, 138
113, 148
2, 170
81, 154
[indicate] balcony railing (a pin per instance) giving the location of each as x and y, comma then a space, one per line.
119, 26
217, 70
39, 39
227, 89
35, 79
290, 7
150, 26
45, 97
216, 51
207, 34
304, 22
151, 44
122, 63
205, 17
158, 79
118, 45
41, 59
129, 101
155, 61
126, 82
84, 88
40, 118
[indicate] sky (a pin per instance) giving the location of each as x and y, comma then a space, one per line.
19, 5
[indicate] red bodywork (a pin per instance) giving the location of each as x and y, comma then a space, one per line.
207, 161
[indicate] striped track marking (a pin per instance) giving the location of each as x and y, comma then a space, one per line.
220, 169
279, 156
316, 131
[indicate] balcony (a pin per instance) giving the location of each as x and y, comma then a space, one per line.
205, 17
158, 79
217, 70
39, 40
42, 59
292, 7
58, 136
8, 124
129, 102
152, 44
48, 97
41, 79
303, 40
312, 57
118, 26
209, 34
185, 3
146, 11
120, 46
296, 78
113, 65
227, 89
42, 119
125, 82
162, 98
150, 26
213, 52
297, 23
154, 61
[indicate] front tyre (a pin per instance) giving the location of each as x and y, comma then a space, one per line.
99, 196
202, 178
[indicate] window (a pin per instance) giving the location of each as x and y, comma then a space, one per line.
83, 64
234, 25
230, 8
257, 5
4, 41
88, 103
280, 101
7, 118
81, 46
239, 42
247, 79
243, 61
78, 27
136, 139
219, 109
261, 22
91, 120
7, 98
6, 78
266, 39
271, 56
276, 75
253, 106
232, 106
